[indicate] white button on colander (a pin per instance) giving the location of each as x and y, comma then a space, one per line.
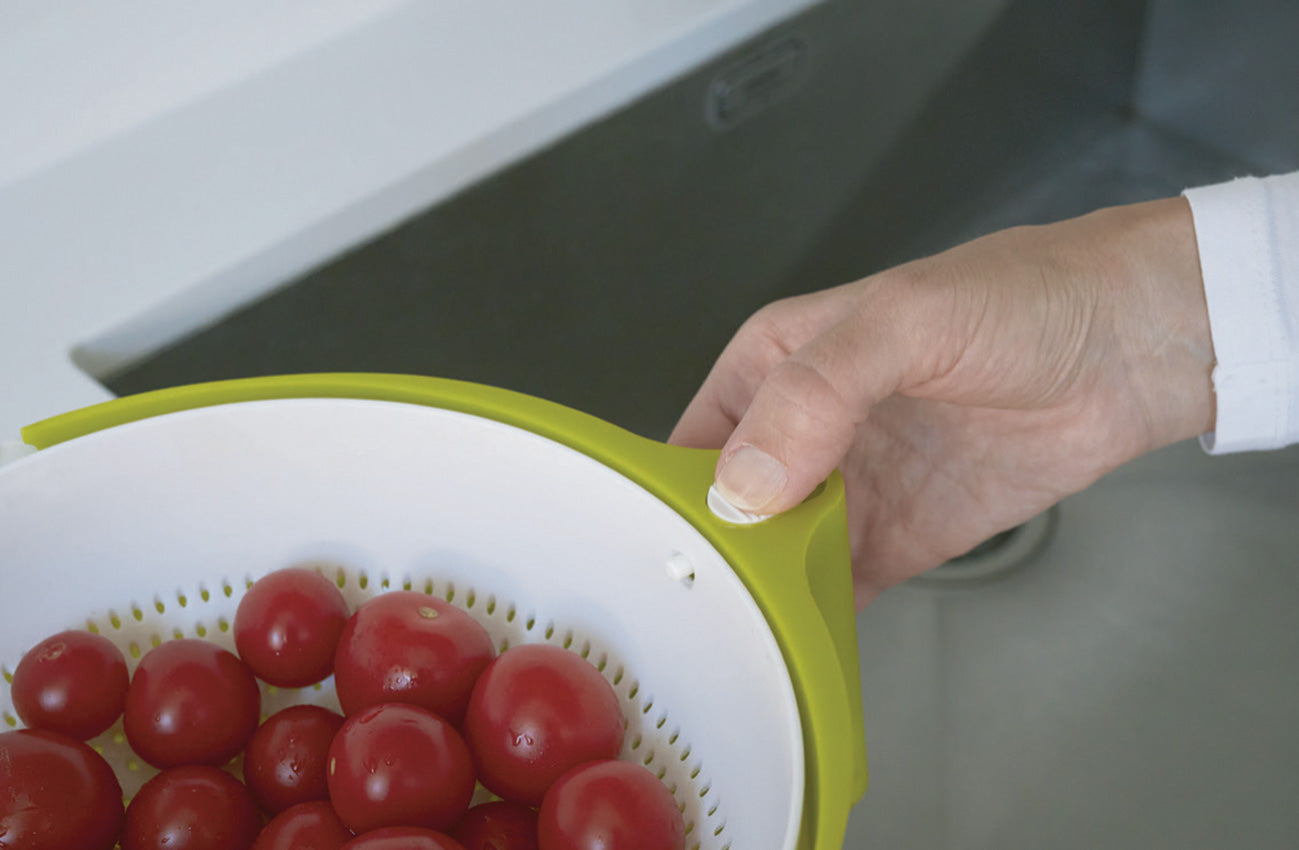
724, 510
680, 569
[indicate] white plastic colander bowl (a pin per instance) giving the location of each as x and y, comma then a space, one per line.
153, 528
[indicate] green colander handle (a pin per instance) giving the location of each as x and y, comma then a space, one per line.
796, 565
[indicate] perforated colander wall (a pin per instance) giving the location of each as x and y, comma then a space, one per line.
207, 610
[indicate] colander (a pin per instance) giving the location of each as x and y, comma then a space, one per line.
731, 646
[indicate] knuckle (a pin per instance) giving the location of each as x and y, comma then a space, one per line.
767, 324
763, 341
808, 397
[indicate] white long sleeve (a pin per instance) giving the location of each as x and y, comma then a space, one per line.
1248, 236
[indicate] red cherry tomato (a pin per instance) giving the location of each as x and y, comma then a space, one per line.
409, 647
306, 826
399, 765
191, 702
286, 759
74, 683
610, 805
536, 712
499, 825
287, 627
191, 808
403, 838
56, 794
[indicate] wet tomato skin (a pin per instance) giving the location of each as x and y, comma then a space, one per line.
56, 793
403, 838
610, 805
399, 765
536, 712
73, 683
287, 757
191, 808
191, 702
287, 627
498, 825
407, 646
306, 826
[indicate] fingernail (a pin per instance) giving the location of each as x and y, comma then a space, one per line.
751, 479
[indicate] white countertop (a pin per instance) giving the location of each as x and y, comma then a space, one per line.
163, 163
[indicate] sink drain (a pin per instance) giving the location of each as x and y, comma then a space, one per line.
997, 556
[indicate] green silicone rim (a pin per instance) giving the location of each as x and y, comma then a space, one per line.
795, 565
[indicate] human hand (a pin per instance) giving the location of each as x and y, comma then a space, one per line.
962, 394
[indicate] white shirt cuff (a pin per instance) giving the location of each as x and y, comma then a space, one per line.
1247, 232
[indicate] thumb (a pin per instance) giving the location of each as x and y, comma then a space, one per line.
803, 417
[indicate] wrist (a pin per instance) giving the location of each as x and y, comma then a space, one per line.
1161, 320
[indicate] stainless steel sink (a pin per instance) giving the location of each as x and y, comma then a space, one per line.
1135, 684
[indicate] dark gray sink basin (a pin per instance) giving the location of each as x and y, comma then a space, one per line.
1134, 684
